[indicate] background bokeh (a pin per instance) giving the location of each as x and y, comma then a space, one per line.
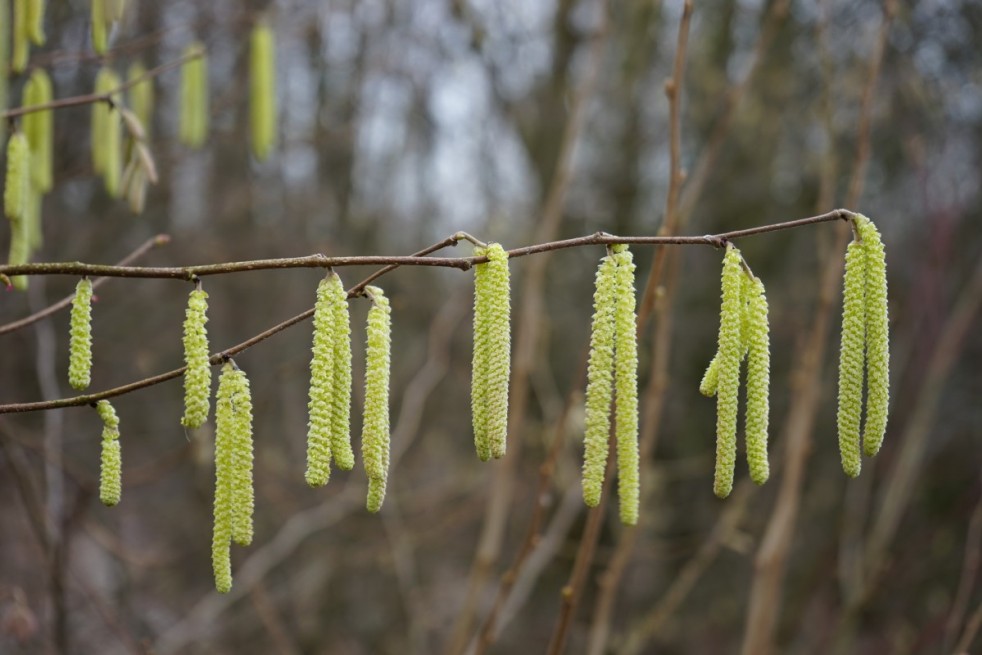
402, 122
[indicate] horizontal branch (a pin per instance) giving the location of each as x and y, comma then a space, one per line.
390, 263
462, 263
92, 98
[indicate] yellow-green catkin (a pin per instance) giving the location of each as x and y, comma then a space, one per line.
730, 353
710, 379
16, 202
197, 376
599, 389
320, 404
194, 97
102, 119
80, 340
491, 364
877, 338
21, 36
344, 456
758, 382
38, 127
375, 425
4, 65
100, 27
262, 89
140, 96
111, 470
626, 387
35, 21
851, 357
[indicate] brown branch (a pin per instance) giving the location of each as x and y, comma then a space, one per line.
144, 248
92, 98
391, 262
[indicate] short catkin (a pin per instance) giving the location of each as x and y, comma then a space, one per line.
599, 389
262, 90
730, 353
375, 424
851, 357
877, 338
491, 365
80, 340
194, 97
110, 473
758, 382
320, 405
197, 376
626, 385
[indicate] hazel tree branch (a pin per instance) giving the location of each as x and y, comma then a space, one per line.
313, 261
190, 273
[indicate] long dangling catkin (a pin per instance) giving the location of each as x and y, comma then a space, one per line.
243, 494
375, 425
730, 351
106, 80
111, 469
851, 358
626, 384
21, 35
877, 338
35, 21
197, 376
141, 96
599, 389
320, 403
491, 365
262, 90
16, 203
224, 478
344, 456
80, 341
758, 383
100, 27
38, 127
194, 96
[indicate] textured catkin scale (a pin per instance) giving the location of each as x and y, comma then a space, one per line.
320, 404
111, 469
758, 383
344, 456
626, 385
375, 424
100, 27
491, 366
877, 338
80, 340
35, 21
262, 90
197, 377
730, 353
21, 35
710, 379
194, 97
140, 96
851, 358
38, 127
599, 389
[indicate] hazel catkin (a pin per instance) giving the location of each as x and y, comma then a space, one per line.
599, 390
758, 382
491, 365
197, 376
80, 341
194, 97
262, 89
626, 385
851, 358
375, 424
730, 354
140, 96
38, 127
320, 404
110, 475
21, 36
344, 456
877, 338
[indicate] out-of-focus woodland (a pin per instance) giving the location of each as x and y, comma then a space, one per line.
402, 122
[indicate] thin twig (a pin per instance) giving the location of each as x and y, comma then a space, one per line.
391, 262
92, 98
143, 249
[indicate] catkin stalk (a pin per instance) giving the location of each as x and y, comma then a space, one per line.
730, 354
197, 376
877, 338
491, 366
262, 90
599, 390
626, 383
851, 358
110, 475
80, 340
375, 424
